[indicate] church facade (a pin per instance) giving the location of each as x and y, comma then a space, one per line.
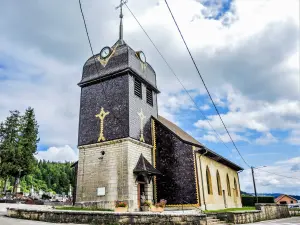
128, 152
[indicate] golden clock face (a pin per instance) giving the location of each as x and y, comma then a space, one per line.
105, 52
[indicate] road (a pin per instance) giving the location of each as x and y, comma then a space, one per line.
11, 221
286, 221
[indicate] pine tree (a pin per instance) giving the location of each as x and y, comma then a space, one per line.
28, 141
9, 144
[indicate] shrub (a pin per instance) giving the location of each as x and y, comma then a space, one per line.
162, 203
120, 204
251, 200
147, 203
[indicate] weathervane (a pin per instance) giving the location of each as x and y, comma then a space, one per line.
122, 2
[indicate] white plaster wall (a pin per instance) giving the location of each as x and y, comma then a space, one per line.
216, 201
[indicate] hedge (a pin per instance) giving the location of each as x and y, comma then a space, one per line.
251, 200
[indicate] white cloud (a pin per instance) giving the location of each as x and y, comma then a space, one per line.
268, 181
212, 137
265, 139
292, 161
205, 107
257, 115
58, 154
294, 137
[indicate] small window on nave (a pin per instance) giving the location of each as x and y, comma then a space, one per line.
219, 183
228, 186
236, 188
209, 183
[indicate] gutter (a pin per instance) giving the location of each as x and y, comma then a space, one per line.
202, 178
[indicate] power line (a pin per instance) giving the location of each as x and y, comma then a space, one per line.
279, 174
159, 52
96, 65
205, 84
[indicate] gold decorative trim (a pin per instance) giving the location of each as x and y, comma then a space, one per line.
115, 142
102, 116
142, 117
184, 205
154, 157
105, 61
144, 66
196, 177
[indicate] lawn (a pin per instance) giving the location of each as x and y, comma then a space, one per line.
295, 209
80, 209
230, 210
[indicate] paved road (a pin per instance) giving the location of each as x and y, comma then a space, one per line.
11, 221
286, 221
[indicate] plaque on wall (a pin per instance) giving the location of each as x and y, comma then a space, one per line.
101, 191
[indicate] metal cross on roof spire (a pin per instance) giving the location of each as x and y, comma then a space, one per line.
122, 2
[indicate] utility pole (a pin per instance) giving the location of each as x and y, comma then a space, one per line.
252, 169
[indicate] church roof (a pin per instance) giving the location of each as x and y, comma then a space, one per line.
185, 137
143, 166
178, 131
123, 59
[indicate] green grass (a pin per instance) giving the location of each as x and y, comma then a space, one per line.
80, 209
294, 209
230, 210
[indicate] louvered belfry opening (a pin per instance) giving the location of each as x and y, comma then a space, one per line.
149, 97
138, 88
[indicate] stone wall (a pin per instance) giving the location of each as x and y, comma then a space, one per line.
294, 212
104, 218
268, 211
113, 170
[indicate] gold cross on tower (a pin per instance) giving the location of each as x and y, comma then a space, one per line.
101, 116
142, 117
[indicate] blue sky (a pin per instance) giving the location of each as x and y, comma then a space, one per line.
44, 47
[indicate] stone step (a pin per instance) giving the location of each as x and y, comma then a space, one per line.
213, 221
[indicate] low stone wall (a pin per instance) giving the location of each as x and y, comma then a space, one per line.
267, 211
294, 212
104, 218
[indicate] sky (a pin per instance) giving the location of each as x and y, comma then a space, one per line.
247, 52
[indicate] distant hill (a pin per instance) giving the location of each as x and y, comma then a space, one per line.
275, 195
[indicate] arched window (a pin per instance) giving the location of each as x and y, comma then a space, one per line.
219, 183
236, 188
208, 181
228, 186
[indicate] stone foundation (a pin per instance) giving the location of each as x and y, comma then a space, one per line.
110, 165
294, 212
104, 218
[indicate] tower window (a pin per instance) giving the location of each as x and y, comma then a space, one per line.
138, 88
149, 97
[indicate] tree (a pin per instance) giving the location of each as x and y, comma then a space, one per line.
9, 136
18, 138
28, 141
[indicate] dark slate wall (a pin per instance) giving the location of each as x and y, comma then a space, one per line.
135, 106
174, 159
115, 101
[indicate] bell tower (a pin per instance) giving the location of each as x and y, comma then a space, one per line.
118, 100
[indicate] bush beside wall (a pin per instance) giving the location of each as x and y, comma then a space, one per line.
251, 200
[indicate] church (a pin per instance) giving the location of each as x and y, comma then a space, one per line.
128, 152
